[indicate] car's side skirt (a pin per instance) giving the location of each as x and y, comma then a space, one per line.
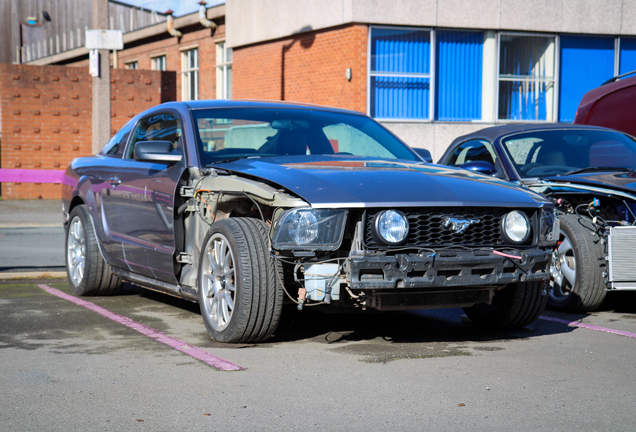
155, 285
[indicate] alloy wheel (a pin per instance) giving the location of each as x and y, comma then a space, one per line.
219, 288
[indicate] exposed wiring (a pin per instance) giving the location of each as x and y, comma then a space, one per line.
495, 252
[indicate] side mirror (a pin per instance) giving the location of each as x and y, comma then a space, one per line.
157, 151
424, 154
481, 167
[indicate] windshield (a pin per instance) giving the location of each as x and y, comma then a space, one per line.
226, 134
559, 152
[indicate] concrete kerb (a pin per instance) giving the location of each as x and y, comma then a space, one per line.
9, 276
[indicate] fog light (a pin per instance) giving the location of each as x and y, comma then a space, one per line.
392, 226
516, 226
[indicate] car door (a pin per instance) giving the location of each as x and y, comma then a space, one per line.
138, 208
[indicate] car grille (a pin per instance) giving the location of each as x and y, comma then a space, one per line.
427, 227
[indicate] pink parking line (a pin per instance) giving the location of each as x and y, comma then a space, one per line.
31, 176
588, 326
175, 343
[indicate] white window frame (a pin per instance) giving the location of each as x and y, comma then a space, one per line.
553, 79
430, 75
189, 75
132, 64
223, 70
155, 58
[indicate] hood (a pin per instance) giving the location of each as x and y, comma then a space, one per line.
369, 182
621, 181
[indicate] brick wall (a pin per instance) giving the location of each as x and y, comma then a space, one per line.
306, 68
203, 39
46, 116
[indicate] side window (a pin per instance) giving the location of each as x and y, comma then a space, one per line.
115, 146
159, 127
472, 151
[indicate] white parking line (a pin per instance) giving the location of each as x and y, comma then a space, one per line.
184, 347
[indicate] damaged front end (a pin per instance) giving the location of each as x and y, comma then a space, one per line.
418, 260
610, 216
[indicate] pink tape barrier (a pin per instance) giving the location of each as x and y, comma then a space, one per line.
589, 327
184, 347
31, 176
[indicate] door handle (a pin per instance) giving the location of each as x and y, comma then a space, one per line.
114, 181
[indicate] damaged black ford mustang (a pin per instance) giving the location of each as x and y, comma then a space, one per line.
242, 206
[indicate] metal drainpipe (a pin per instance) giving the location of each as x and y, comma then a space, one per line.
170, 23
203, 19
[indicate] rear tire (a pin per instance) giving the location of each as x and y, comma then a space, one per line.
239, 292
88, 274
577, 283
515, 306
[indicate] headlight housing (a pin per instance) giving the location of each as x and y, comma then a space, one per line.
392, 227
516, 227
549, 227
306, 228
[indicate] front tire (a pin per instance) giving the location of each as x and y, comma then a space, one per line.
577, 268
87, 272
239, 292
515, 306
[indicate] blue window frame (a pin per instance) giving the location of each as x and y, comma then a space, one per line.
526, 77
586, 63
458, 72
400, 73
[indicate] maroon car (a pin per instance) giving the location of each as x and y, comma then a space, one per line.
611, 105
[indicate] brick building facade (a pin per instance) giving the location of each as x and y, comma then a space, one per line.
310, 67
46, 116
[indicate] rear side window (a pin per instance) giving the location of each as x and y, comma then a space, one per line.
115, 146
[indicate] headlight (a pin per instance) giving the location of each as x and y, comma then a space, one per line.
516, 226
302, 227
309, 229
392, 226
549, 227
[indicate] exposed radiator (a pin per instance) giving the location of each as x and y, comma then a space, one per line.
621, 253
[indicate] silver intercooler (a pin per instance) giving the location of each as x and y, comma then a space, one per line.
621, 256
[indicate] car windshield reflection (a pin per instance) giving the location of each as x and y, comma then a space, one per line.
566, 152
229, 134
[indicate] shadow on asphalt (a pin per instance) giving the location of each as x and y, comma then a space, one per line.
423, 326
620, 302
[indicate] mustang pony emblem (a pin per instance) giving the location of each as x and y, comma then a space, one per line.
459, 225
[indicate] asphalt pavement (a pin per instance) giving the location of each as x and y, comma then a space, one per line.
31, 239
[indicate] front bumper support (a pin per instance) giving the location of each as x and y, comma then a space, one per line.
446, 269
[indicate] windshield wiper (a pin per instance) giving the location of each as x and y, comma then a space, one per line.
598, 168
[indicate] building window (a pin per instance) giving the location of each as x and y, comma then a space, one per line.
575, 80
458, 70
400, 74
132, 65
223, 71
159, 63
627, 55
190, 74
526, 77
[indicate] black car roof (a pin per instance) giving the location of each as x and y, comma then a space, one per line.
495, 132
224, 103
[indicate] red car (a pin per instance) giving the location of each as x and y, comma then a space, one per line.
610, 105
